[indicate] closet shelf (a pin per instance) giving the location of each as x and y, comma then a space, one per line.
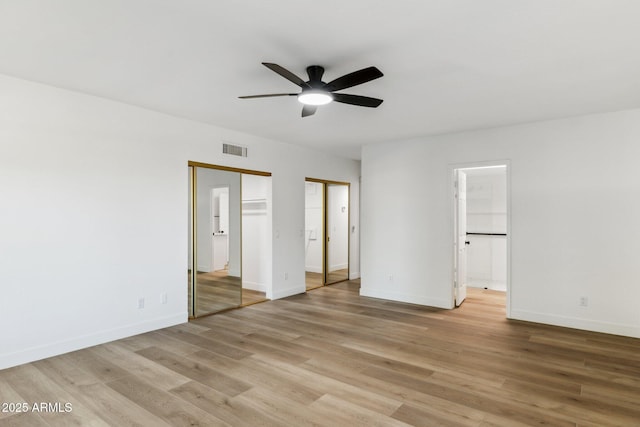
254, 207
486, 213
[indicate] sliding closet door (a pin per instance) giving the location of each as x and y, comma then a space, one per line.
314, 234
218, 283
337, 232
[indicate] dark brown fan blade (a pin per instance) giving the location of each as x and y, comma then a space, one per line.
267, 95
308, 110
353, 79
286, 74
363, 101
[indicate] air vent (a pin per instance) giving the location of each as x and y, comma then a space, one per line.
234, 150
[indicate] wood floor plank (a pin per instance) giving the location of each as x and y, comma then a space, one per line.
103, 369
263, 376
113, 407
196, 371
389, 390
342, 390
351, 414
285, 411
163, 404
140, 366
37, 388
233, 411
8, 395
200, 341
23, 419
426, 417
251, 346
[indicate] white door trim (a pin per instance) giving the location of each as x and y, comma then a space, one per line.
453, 167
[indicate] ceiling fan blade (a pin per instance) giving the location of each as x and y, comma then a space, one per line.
308, 110
363, 101
267, 95
286, 74
354, 79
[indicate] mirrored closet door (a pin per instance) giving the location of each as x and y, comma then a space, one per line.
217, 284
337, 226
326, 232
217, 212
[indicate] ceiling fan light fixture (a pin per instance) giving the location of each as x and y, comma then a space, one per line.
315, 97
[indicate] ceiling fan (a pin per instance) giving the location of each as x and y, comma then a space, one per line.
315, 92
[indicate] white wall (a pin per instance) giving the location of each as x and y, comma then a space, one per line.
487, 213
94, 215
256, 232
313, 227
574, 187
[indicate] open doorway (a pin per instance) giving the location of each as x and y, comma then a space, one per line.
481, 223
326, 232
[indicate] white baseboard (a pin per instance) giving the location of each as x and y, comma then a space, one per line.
489, 284
409, 298
338, 267
283, 293
203, 268
53, 349
577, 323
254, 286
355, 275
313, 269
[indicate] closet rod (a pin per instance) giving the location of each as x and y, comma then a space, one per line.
486, 234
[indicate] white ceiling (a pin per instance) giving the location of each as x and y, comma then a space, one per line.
449, 65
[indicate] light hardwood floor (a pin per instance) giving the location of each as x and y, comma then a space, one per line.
333, 358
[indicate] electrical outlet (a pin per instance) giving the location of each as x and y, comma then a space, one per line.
286, 276
391, 277
584, 301
163, 297
140, 302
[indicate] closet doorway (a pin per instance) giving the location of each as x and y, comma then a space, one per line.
481, 223
225, 248
326, 232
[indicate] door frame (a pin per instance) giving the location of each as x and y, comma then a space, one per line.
460, 242
452, 169
325, 184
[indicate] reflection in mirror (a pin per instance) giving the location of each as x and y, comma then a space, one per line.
337, 212
218, 284
314, 232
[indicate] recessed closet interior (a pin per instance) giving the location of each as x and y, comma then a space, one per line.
487, 228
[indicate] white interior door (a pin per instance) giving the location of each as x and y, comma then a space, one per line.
460, 274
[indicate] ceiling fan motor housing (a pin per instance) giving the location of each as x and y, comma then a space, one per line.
315, 73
